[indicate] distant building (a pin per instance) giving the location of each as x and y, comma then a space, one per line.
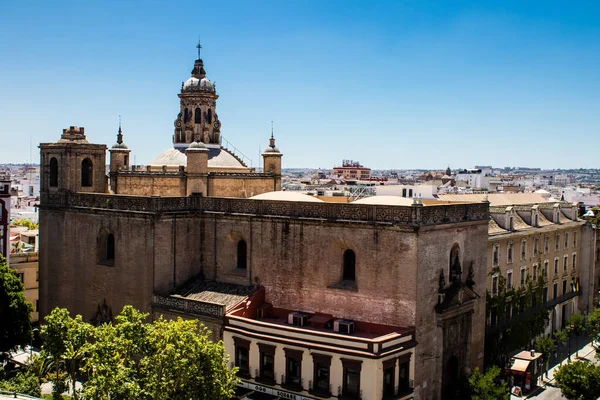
352, 170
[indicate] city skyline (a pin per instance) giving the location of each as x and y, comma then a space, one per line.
507, 85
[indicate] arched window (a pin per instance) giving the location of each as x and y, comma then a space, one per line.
242, 251
110, 247
198, 116
86, 172
53, 172
186, 116
106, 248
349, 273
209, 116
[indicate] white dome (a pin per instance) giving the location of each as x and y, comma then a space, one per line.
204, 82
385, 201
286, 196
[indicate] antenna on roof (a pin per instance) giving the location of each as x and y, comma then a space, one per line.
271, 129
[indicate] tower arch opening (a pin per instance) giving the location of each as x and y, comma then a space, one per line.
87, 169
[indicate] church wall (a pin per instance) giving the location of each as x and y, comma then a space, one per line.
151, 185
297, 260
434, 246
223, 186
71, 275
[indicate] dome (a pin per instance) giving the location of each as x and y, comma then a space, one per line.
196, 145
197, 83
120, 146
217, 158
286, 196
272, 150
385, 201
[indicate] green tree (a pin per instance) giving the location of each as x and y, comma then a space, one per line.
579, 380
159, 360
487, 386
24, 383
15, 311
561, 337
65, 342
183, 364
577, 326
546, 346
593, 325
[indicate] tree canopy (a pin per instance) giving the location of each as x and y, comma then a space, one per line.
487, 386
134, 359
15, 311
579, 380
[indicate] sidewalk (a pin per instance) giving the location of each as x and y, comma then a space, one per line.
587, 352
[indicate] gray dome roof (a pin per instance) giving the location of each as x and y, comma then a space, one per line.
196, 145
272, 150
198, 83
120, 146
217, 157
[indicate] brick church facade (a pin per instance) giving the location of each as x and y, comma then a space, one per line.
312, 299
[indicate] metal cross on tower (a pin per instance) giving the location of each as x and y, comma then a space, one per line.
199, 47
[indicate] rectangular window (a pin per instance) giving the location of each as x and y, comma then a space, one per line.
557, 241
523, 250
522, 304
555, 290
509, 279
545, 268
574, 265
21, 277
546, 244
534, 268
556, 265
574, 239
545, 294
321, 365
389, 374
496, 256
404, 375
523, 275
242, 359
267, 362
509, 254
566, 263
564, 288
566, 240
535, 247
495, 285
293, 368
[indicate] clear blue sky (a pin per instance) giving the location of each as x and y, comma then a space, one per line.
394, 84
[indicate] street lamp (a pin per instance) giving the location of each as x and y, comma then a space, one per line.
35, 331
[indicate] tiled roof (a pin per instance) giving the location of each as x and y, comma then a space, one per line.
227, 294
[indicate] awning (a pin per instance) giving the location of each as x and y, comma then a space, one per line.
520, 365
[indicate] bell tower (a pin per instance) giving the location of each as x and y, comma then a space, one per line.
197, 119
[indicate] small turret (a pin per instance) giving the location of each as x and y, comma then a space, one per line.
272, 160
119, 159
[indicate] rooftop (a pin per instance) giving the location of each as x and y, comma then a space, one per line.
226, 294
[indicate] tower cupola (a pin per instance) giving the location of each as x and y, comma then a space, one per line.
197, 119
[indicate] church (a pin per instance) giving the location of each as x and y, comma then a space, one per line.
313, 300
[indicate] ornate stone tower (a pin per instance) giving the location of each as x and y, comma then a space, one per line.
197, 119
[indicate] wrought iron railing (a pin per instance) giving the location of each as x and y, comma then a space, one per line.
188, 306
230, 147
